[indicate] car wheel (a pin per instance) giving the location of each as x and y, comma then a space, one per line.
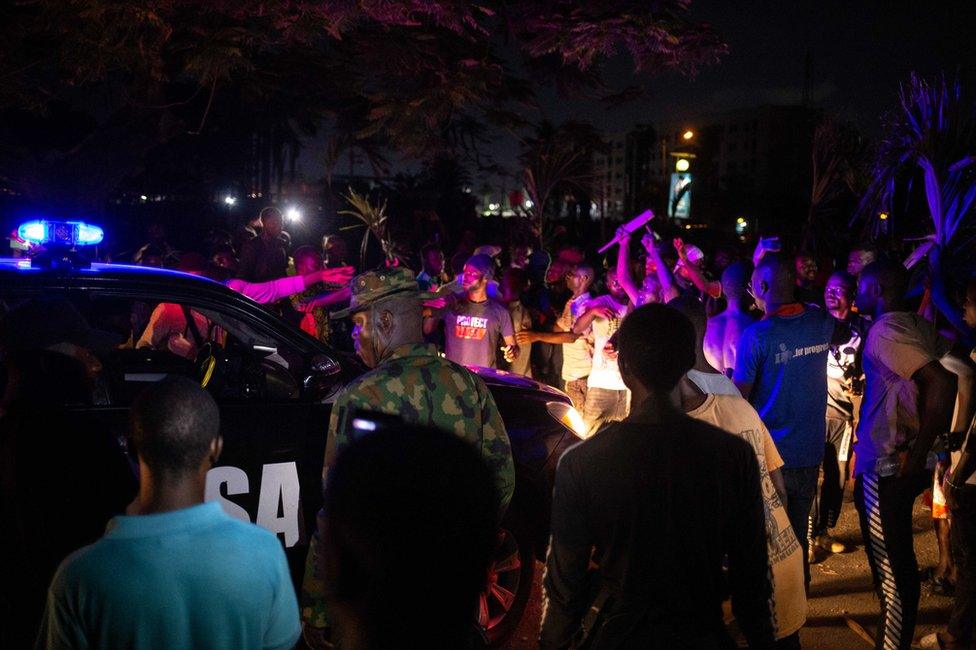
510, 579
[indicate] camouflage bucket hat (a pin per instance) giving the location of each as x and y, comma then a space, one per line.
374, 286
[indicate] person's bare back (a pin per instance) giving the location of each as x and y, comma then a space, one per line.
722, 338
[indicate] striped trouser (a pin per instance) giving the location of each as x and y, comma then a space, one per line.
884, 505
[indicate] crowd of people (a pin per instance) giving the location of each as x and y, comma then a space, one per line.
728, 399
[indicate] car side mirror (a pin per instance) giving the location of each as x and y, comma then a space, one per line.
324, 366
319, 382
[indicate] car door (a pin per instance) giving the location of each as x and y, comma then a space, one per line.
274, 429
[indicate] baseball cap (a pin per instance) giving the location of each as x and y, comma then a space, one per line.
483, 263
694, 254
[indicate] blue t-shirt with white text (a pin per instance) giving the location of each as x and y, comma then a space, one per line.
785, 359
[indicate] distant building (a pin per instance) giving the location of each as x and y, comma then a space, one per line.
641, 191
610, 178
751, 163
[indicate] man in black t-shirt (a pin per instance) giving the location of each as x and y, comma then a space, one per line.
662, 499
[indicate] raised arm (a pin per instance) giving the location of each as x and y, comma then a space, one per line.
763, 246
330, 299
712, 288
273, 291
668, 289
624, 275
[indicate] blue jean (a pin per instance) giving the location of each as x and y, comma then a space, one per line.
801, 490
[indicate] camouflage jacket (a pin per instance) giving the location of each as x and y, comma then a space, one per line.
422, 387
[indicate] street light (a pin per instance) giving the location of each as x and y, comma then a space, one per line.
230, 200
681, 165
741, 225
688, 135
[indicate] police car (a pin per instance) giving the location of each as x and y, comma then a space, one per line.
275, 385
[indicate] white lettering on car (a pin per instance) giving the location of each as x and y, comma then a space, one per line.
279, 493
236, 481
279, 486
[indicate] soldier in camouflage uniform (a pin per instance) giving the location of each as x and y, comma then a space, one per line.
409, 379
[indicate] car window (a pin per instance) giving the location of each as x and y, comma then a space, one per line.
151, 339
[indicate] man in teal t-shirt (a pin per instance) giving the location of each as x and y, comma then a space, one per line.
181, 573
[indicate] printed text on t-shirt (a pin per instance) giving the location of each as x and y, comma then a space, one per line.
784, 354
471, 327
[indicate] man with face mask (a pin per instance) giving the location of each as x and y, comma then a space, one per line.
409, 379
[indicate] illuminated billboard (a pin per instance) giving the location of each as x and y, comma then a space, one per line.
679, 196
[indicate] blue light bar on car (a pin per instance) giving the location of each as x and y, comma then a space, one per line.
64, 233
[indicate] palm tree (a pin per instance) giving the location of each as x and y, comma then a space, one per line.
375, 220
932, 139
837, 165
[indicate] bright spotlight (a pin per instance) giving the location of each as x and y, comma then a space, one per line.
293, 214
681, 165
688, 135
230, 200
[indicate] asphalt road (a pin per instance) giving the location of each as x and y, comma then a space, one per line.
840, 590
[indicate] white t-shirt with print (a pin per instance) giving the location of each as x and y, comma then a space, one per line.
605, 373
713, 383
738, 417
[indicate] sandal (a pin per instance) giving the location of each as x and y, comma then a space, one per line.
943, 587
933, 641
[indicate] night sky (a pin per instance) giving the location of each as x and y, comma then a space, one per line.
859, 53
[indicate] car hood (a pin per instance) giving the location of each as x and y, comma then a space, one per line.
501, 379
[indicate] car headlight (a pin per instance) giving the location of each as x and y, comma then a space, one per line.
567, 416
